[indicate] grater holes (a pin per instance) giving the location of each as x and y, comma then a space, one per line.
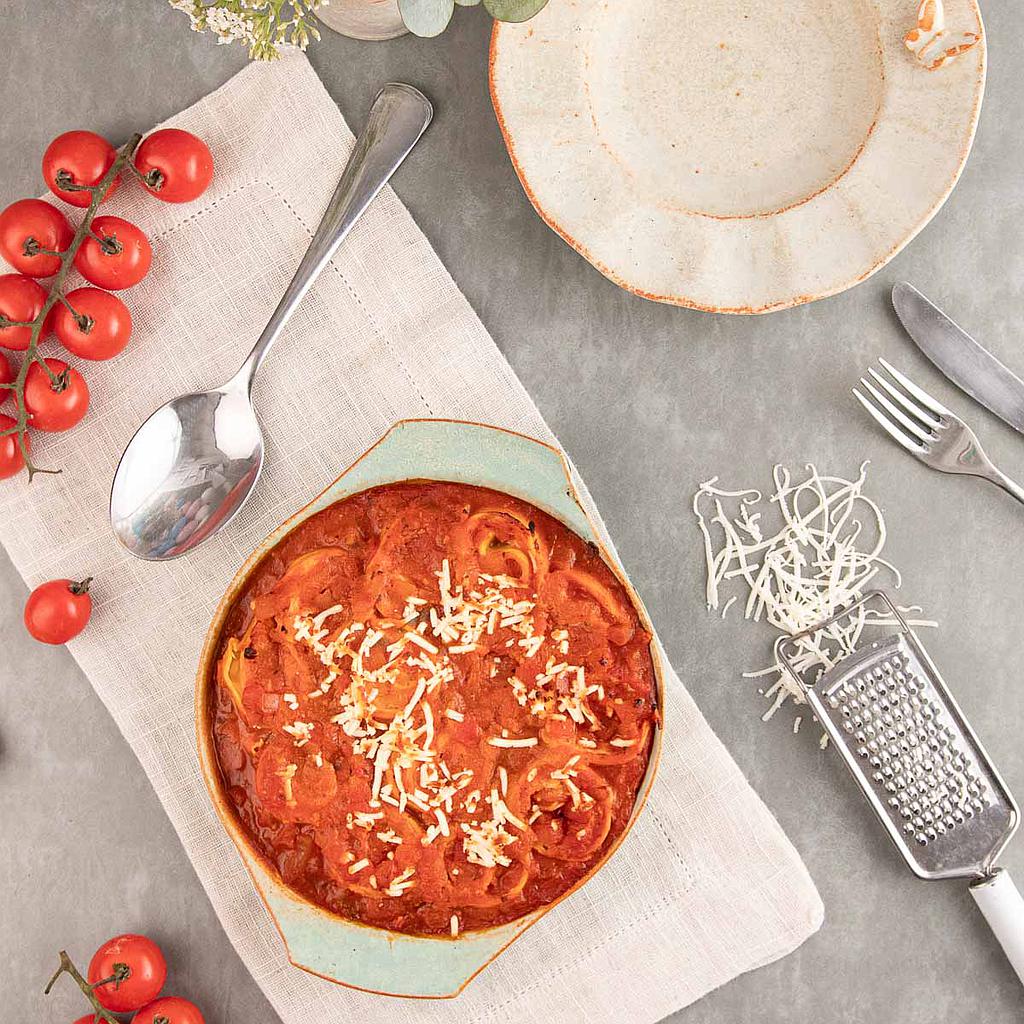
893, 724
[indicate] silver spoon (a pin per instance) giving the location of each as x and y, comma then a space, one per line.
192, 465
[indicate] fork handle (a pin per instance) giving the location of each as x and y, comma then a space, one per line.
1003, 906
1000, 479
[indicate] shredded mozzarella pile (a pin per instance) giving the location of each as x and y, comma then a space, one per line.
820, 555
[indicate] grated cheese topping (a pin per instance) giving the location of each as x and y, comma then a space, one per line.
401, 750
485, 843
413, 656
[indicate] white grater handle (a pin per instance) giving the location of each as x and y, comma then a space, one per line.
1003, 906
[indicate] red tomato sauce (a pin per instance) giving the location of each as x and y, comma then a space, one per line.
433, 708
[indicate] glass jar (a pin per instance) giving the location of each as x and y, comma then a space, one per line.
363, 19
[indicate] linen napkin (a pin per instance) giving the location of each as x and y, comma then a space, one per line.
706, 886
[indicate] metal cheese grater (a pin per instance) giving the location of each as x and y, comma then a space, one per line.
889, 714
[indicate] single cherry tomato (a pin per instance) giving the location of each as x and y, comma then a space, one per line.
11, 459
101, 327
55, 407
175, 165
21, 299
120, 258
78, 158
87, 1019
57, 611
137, 967
27, 226
169, 1010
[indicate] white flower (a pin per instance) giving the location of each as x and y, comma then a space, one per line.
263, 25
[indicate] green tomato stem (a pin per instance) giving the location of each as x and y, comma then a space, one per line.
67, 967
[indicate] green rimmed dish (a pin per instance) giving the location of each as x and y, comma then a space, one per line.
326, 944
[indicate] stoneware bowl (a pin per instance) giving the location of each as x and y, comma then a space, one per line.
735, 157
318, 941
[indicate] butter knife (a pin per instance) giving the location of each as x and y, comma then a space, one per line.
966, 363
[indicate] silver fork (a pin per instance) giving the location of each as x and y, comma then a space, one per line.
927, 429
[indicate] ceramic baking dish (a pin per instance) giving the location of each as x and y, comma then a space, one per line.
316, 940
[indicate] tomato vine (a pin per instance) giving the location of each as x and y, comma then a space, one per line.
100, 1014
58, 381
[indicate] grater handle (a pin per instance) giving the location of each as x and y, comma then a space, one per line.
1003, 906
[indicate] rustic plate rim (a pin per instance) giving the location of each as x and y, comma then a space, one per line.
770, 307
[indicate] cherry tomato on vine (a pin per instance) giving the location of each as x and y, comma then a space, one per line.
57, 611
87, 1019
100, 330
119, 260
21, 299
169, 1010
31, 224
175, 165
8, 375
11, 459
137, 964
55, 407
78, 158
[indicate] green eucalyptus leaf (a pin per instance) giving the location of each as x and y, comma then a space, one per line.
467, 3
513, 10
426, 17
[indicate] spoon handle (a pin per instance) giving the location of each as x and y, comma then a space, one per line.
398, 117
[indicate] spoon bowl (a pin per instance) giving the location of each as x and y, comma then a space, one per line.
192, 465
186, 473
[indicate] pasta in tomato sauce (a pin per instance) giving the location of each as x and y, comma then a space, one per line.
433, 707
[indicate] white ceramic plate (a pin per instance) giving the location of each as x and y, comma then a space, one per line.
738, 156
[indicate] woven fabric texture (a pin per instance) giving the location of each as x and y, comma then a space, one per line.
705, 887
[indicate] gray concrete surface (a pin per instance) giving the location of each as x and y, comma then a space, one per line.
649, 400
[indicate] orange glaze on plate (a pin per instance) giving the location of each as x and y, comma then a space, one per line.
434, 705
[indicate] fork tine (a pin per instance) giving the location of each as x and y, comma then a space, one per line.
928, 419
901, 417
919, 393
897, 435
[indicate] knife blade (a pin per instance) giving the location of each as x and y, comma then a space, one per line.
967, 364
